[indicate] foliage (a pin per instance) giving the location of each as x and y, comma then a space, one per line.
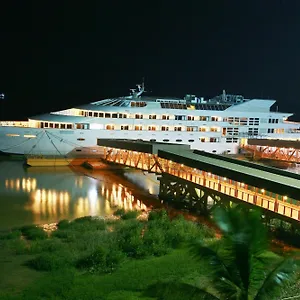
32, 232
101, 261
239, 264
51, 261
11, 235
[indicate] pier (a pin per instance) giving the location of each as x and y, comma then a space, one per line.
202, 180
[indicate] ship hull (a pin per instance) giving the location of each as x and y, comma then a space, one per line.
78, 143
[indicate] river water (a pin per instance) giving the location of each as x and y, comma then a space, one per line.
46, 194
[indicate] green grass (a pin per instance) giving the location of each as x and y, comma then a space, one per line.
96, 259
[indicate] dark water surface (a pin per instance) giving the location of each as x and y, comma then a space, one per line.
47, 194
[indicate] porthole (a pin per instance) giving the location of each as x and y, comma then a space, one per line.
178, 140
152, 140
191, 141
165, 140
214, 151
80, 139
78, 150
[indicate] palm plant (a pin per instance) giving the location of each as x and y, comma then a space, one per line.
238, 265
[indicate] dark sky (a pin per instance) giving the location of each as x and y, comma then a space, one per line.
58, 54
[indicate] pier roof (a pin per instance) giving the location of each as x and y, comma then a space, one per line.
268, 178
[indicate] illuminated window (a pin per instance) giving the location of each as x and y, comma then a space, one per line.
114, 116
63, 126
124, 127
29, 136
202, 129
138, 116
151, 128
56, 125
69, 126
138, 127
110, 127
96, 114
12, 134
191, 118
214, 119
177, 128
203, 118
164, 128
165, 117
191, 128
153, 117
107, 115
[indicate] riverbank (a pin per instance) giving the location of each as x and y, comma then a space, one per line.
118, 257
94, 256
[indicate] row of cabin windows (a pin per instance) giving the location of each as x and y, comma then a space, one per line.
56, 125
202, 140
273, 121
232, 120
162, 128
276, 130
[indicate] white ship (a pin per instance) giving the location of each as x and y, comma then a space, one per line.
218, 125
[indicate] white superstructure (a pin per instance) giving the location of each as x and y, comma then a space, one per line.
218, 125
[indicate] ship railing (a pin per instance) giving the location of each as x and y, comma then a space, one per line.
14, 123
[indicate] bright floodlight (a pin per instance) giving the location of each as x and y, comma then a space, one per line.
2, 96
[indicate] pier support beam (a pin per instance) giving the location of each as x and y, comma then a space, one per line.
183, 193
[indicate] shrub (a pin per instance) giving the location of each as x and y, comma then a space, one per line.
119, 212
51, 261
11, 235
33, 232
155, 241
132, 214
63, 224
49, 245
129, 235
158, 215
18, 246
101, 260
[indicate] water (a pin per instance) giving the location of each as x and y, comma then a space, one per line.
45, 195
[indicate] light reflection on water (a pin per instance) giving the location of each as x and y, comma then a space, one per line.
44, 195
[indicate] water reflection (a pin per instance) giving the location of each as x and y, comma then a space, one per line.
43, 195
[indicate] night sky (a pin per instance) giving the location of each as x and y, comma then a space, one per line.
58, 54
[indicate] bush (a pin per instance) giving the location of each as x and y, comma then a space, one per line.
101, 260
18, 246
132, 214
155, 241
51, 261
158, 215
129, 235
33, 232
63, 224
11, 235
49, 245
119, 212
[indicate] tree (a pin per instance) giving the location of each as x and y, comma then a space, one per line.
238, 265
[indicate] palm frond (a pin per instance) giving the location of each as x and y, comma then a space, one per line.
283, 273
214, 259
176, 290
261, 264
